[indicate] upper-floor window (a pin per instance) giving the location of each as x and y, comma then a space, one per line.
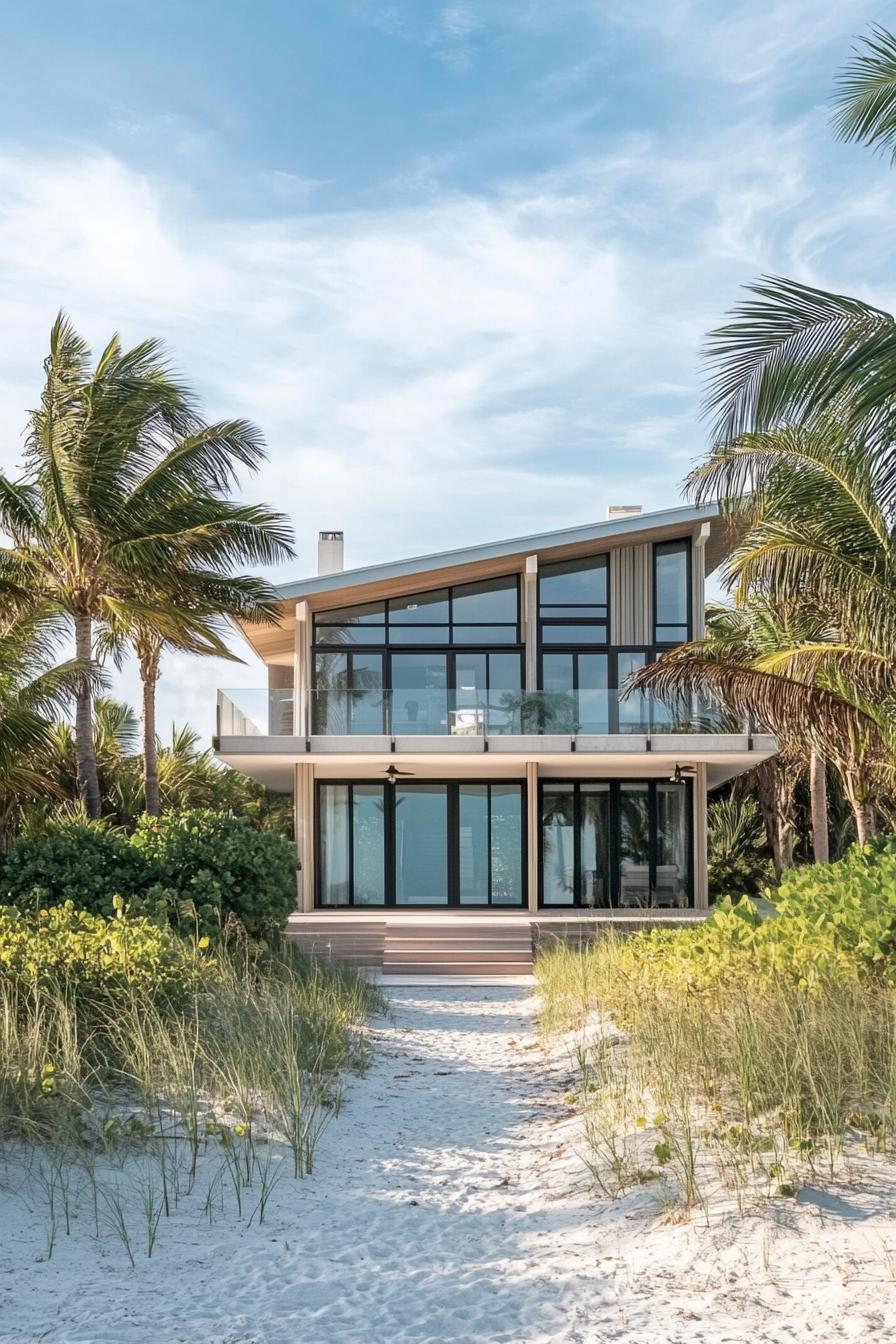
671, 592
573, 601
469, 613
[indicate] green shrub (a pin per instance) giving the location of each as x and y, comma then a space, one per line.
84, 864
93, 956
737, 851
223, 865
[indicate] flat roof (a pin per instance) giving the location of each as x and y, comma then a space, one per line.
685, 516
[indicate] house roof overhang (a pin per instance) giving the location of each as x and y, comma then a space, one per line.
274, 643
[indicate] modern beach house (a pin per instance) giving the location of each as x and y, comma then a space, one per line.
455, 734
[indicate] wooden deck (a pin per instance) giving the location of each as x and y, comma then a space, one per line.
475, 942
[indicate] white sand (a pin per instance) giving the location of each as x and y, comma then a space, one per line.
449, 1204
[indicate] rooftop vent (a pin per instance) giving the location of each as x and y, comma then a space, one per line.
330, 553
622, 511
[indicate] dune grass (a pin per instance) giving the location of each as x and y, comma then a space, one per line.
131, 1100
756, 1079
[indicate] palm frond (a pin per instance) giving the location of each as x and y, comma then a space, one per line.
866, 94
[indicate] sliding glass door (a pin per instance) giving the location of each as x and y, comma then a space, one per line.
624, 843
417, 843
421, 844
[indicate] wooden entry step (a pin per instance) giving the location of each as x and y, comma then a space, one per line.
439, 949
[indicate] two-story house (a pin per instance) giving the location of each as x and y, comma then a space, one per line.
455, 736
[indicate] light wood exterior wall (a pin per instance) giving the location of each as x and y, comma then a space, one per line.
631, 594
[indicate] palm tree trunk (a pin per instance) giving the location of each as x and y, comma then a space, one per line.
88, 778
866, 821
149, 675
774, 790
818, 803
855, 786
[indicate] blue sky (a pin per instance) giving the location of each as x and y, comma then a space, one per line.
456, 259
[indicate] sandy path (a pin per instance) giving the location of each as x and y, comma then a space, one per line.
447, 1207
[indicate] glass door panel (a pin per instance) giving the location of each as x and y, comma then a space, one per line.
421, 844
473, 847
419, 693
634, 845
507, 844
368, 844
672, 845
504, 690
335, 856
367, 693
633, 717
470, 695
594, 845
592, 693
558, 844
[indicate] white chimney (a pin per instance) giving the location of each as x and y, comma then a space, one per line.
622, 511
329, 553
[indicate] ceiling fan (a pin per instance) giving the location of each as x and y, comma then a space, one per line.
681, 773
393, 772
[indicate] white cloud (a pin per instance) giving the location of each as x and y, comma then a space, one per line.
452, 368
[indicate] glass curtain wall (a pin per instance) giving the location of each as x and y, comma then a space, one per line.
623, 843
421, 844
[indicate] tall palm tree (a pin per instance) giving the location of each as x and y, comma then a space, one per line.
817, 558
124, 496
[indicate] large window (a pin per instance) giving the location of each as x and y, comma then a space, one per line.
420, 843
417, 692
620, 843
573, 601
470, 613
671, 592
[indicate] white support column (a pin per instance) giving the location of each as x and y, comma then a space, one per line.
533, 835
701, 881
530, 621
302, 672
698, 581
304, 813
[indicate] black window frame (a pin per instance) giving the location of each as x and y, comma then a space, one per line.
513, 582
613, 877
570, 622
452, 787
678, 544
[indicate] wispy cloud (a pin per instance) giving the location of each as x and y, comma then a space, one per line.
456, 364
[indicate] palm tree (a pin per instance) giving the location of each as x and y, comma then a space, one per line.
816, 560
123, 497
32, 691
793, 351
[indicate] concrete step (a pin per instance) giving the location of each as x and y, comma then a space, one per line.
458, 968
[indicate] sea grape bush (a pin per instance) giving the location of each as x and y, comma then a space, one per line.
198, 866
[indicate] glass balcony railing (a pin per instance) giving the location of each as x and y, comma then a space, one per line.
424, 712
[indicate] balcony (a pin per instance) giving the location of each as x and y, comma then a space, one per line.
457, 714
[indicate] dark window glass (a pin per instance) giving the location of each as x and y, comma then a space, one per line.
558, 844
573, 634
334, 844
350, 634
507, 844
594, 845
368, 845
574, 581
671, 634
372, 613
421, 844
420, 609
672, 847
419, 693
485, 634
492, 602
418, 634
634, 845
670, 560
633, 717
473, 847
